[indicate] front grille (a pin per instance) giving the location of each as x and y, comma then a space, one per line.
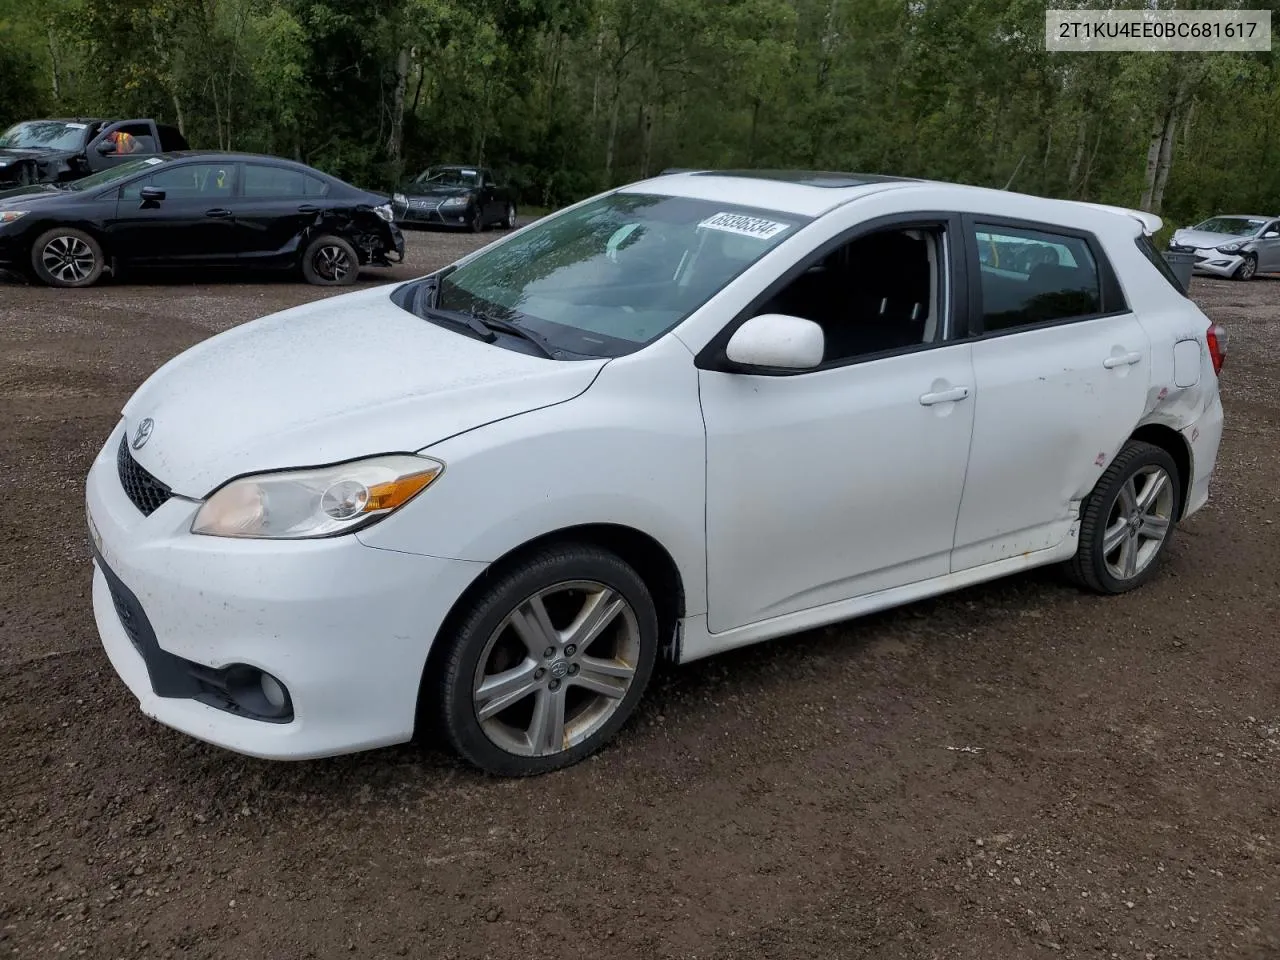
146, 492
129, 619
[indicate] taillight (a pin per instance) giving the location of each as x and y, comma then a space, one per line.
1216, 337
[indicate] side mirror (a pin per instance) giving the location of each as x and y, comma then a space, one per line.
777, 340
1271, 234
151, 194
105, 148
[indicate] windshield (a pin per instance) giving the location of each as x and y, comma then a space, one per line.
1235, 226
45, 135
450, 176
104, 177
616, 273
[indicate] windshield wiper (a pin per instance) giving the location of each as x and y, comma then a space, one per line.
482, 326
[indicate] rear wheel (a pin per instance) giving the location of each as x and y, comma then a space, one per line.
64, 257
1128, 520
548, 663
1248, 268
330, 262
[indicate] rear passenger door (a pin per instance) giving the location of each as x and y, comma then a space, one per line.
1061, 371
276, 206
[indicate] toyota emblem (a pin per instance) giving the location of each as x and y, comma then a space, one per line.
144, 433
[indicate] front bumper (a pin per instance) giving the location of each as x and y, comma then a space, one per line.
1215, 263
344, 627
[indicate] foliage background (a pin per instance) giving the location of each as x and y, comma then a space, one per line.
570, 96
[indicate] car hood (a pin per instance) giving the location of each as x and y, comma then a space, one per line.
434, 191
1203, 238
346, 377
23, 198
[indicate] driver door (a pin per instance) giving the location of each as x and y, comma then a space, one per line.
101, 154
193, 223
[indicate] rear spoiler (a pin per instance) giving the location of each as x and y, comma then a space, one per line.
1151, 222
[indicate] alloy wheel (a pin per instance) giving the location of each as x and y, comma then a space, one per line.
1248, 268
557, 668
332, 263
67, 259
1139, 523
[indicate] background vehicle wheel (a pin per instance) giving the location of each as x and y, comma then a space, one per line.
330, 262
1247, 269
548, 663
476, 223
63, 257
1128, 520
509, 218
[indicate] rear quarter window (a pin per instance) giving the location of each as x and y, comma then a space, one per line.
1148, 248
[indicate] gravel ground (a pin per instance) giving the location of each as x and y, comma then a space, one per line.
1017, 770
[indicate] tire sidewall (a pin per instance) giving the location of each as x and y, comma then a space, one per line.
45, 277
1107, 495
457, 708
1240, 271
309, 271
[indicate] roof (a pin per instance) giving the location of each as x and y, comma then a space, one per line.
813, 193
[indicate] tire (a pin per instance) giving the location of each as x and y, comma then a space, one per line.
476, 223
1120, 516
65, 257
509, 218
1248, 269
330, 261
544, 697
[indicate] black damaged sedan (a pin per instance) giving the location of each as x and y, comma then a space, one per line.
196, 210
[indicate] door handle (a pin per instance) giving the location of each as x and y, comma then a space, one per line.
308, 208
944, 396
218, 213
1125, 360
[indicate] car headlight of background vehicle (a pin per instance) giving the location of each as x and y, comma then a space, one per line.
318, 502
455, 203
8, 216
384, 212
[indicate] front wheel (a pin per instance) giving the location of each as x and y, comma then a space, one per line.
509, 218
63, 257
330, 262
1128, 520
1248, 268
548, 663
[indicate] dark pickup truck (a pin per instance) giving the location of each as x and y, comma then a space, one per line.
52, 151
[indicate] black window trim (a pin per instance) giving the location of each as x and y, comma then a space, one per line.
712, 356
1113, 300
1147, 247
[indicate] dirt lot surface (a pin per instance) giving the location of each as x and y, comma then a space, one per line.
1017, 770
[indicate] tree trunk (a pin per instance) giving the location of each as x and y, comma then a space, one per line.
178, 113
755, 123
612, 140
55, 72
417, 90
1158, 129
1165, 161
646, 139
1088, 167
395, 140
1073, 177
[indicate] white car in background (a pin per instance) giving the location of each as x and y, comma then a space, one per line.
1238, 247
693, 413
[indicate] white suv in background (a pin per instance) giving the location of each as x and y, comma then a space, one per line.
693, 413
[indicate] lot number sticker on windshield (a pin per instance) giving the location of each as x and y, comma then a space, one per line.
152, 161
744, 226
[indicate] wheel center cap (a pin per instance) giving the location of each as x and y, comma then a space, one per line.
559, 669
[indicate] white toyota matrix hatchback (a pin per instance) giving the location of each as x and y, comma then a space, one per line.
694, 413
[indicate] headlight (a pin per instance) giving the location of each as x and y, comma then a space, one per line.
1231, 247
4, 163
8, 216
454, 203
384, 212
400, 198
321, 502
